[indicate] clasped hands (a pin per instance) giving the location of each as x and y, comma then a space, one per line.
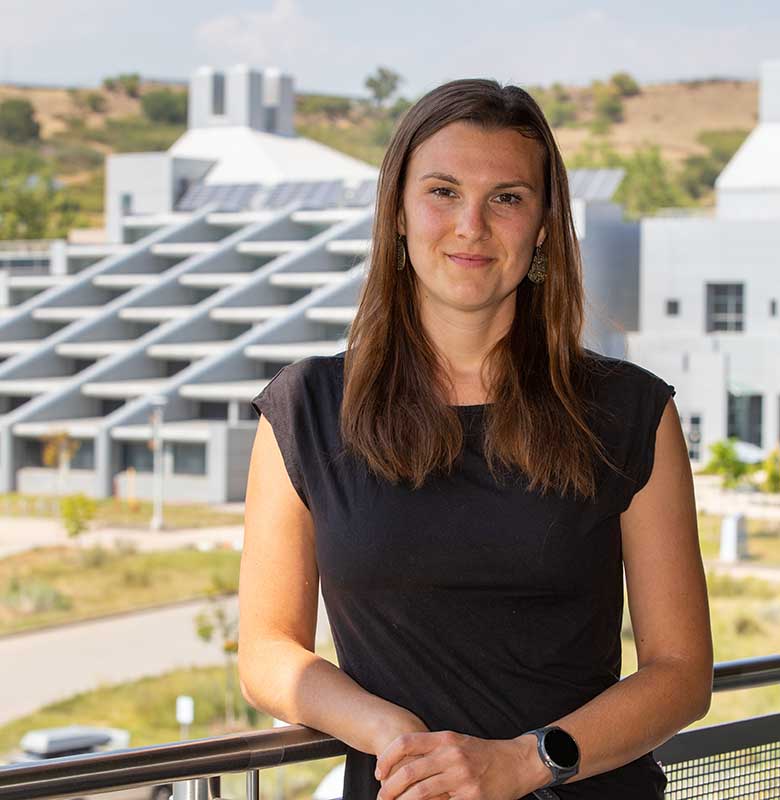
446, 765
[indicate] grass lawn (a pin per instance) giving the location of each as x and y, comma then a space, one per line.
113, 513
53, 585
147, 708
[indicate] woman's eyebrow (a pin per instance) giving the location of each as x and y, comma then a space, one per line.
442, 176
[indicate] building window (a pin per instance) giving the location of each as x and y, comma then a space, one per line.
744, 418
85, 455
126, 203
672, 308
32, 453
108, 405
725, 307
211, 410
218, 95
189, 458
693, 435
773, 308
137, 455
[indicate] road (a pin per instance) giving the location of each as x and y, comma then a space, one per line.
45, 666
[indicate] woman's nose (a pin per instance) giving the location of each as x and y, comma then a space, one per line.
471, 223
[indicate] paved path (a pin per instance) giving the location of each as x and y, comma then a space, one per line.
23, 533
44, 666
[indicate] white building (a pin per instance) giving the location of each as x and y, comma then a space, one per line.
709, 291
239, 250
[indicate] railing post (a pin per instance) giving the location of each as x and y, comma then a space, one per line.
253, 785
195, 789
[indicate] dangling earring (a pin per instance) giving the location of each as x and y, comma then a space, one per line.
538, 270
400, 253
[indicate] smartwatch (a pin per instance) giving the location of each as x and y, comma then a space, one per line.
559, 751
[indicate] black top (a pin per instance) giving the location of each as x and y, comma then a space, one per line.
484, 609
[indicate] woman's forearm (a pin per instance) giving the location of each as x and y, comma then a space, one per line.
295, 685
631, 718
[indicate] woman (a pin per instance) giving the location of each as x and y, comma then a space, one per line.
467, 482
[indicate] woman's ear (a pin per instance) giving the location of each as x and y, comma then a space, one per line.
400, 221
541, 237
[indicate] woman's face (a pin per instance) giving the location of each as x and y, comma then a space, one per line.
471, 191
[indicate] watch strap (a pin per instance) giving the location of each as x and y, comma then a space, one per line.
559, 773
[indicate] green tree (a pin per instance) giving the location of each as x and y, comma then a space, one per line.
165, 106
32, 206
725, 462
96, 102
130, 83
17, 121
607, 105
626, 86
646, 186
382, 84
771, 467
109, 84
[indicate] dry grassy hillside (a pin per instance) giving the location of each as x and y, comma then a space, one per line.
670, 115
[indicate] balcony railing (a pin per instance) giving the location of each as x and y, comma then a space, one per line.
736, 759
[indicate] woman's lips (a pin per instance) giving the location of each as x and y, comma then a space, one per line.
469, 262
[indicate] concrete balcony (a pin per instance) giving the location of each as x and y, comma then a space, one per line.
349, 247
214, 280
183, 249
8, 349
79, 428
92, 349
305, 280
66, 313
186, 351
224, 392
271, 248
332, 314
125, 390
155, 313
250, 314
125, 280
21, 387
293, 351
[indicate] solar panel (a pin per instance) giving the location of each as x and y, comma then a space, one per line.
226, 196
594, 184
362, 195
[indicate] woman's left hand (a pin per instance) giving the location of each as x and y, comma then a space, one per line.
456, 764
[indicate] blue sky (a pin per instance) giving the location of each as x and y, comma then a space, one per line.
331, 45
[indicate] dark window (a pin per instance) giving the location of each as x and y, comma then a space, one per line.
109, 405
189, 458
271, 118
126, 202
218, 95
85, 455
744, 418
208, 410
172, 367
136, 454
672, 308
773, 308
694, 436
725, 307
32, 453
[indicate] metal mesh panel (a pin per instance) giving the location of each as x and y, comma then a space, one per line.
753, 772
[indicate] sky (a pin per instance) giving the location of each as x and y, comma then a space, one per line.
330, 46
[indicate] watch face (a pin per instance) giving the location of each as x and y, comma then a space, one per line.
561, 748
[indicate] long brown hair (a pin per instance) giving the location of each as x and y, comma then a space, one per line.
394, 412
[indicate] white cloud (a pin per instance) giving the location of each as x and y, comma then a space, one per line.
281, 36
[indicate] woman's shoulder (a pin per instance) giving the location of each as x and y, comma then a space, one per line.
618, 376
308, 379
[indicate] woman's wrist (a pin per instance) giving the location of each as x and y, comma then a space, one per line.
532, 771
391, 725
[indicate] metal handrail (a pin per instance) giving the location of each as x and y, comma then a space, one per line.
242, 752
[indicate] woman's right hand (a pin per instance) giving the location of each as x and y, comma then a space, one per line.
406, 723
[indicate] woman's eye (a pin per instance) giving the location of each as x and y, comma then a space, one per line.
514, 198
440, 189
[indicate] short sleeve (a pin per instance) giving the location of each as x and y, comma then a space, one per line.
651, 402
281, 401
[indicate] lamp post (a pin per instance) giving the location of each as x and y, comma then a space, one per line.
158, 402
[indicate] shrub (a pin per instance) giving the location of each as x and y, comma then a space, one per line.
607, 104
96, 102
626, 86
165, 106
771, 468
332, 106
130, 83
76, 511
17, 121
725, 462
31, 596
